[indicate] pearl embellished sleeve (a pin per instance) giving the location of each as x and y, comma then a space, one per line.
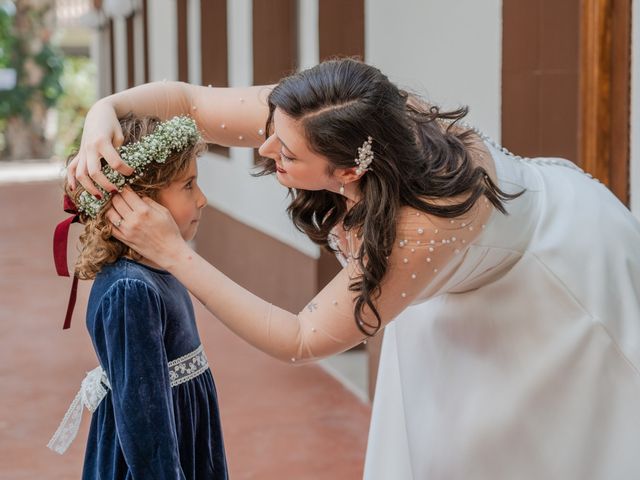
225, 116
425, 254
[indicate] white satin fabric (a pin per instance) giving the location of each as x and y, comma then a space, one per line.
525, 364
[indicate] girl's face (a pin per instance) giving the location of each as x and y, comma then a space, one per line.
184, 200
297, 166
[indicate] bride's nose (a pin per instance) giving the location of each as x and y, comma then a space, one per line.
269, 148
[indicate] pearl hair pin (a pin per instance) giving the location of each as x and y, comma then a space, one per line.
365, 156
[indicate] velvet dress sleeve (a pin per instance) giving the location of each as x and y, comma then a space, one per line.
128, 336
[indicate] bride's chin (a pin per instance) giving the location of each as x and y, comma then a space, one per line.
281, 180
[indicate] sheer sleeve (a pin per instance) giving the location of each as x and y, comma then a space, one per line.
130, 344
225, 116
424, 254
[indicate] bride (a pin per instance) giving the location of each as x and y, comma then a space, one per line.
508, 288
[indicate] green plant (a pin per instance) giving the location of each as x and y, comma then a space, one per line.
38, 64
78, 83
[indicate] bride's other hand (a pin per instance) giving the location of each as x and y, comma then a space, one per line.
146, 226
101, 137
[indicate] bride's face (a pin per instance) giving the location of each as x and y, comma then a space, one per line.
297, 166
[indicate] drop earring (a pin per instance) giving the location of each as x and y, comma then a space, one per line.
342, 189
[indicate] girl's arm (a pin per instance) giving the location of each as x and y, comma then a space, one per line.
226, 116
128, 336
427, 251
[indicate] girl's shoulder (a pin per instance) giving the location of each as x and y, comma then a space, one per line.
127, 291
132, 276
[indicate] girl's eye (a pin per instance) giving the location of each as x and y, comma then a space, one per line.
189, 185
289, 159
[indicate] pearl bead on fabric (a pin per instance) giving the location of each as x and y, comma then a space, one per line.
535, 161
427, 248
424, 245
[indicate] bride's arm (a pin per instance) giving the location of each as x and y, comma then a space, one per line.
417, 268
226, 116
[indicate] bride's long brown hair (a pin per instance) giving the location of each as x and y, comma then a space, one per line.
421, 154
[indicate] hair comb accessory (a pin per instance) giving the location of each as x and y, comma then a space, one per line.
365, 156
169, 136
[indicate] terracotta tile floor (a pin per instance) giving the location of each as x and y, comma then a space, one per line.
280, 422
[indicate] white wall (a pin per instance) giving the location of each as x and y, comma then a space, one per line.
308, 35
193, 41
121, 54
100, 55
138, 46
447, 50
257, 202
635, 111
163, 45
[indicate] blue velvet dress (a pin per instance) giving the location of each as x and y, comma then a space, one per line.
159, 419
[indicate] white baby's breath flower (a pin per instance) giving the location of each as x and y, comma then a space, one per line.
170, 136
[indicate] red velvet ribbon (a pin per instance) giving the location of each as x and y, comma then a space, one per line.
60, 239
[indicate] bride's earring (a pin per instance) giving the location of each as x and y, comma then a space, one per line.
342, 189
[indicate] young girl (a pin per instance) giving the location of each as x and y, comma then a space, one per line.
159, 415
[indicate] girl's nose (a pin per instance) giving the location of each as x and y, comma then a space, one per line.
202, 199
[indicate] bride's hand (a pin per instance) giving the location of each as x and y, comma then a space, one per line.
101, 137
146, 226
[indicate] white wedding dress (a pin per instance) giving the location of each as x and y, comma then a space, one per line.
525, 363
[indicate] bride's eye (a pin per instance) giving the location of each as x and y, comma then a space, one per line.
287, 158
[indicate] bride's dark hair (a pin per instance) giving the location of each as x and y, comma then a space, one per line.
416, 158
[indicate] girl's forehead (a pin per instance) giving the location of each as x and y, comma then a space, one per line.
190, 171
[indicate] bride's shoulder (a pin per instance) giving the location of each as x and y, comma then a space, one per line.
413, 223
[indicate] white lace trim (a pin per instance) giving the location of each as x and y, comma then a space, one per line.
188, 366
94, 388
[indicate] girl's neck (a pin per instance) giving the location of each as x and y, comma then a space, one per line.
146, 262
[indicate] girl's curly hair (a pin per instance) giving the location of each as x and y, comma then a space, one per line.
97, 246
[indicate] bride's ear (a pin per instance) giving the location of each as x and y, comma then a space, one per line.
346, 175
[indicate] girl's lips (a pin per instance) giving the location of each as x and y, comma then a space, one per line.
280, 170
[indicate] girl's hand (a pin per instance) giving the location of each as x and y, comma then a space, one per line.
100, 138
146, 226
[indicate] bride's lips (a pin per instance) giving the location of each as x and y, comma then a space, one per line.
280, 170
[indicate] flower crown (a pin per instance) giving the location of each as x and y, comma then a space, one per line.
170, 136
365, 156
